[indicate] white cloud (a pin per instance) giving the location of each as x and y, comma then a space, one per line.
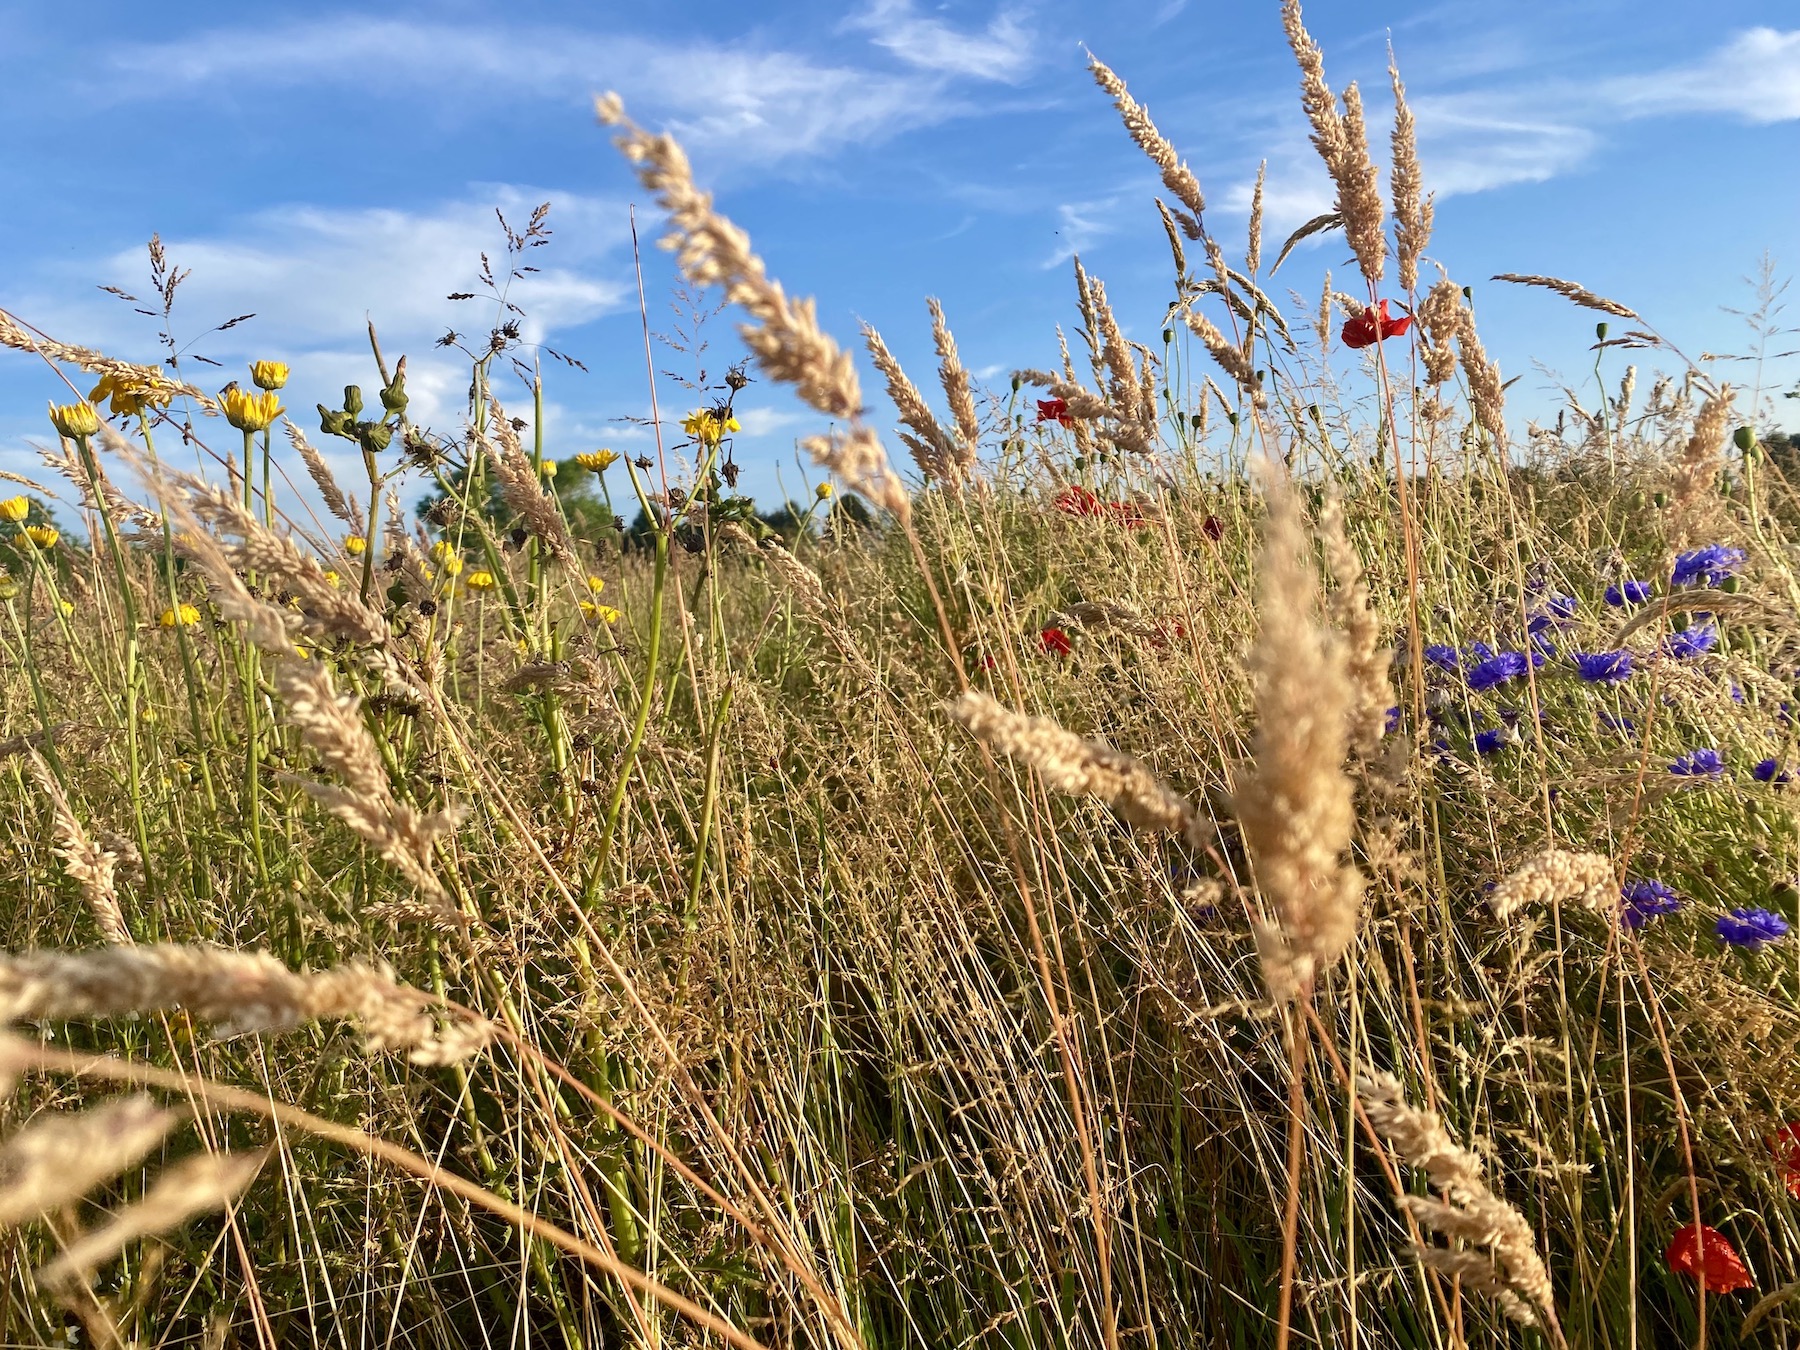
736, 100
1083, 223
1004, 51
1755, 76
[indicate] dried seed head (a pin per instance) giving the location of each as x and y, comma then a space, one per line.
1554, 876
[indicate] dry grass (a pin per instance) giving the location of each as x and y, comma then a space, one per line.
1002, 912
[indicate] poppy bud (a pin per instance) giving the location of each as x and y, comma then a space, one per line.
1744, 438
1195, 420
352, 400
1661, 500
1729, 585
1017, 382
1600, 330
1168, 336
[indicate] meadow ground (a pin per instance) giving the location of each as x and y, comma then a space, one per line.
1217, 852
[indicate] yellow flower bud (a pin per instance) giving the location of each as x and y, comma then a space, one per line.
548, 468
596, 584
823, 491
74, 419
452, 566
332, 577
66, 606
15, 509
43, 536
480, 581
356, 546
269, 375
599, 613
8, 587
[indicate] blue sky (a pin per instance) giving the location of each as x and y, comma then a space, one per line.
323, 166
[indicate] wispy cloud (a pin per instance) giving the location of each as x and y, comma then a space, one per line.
741, 99
1755, 76
1003, 51
1083, 223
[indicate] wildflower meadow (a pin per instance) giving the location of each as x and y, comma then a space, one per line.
1239, 839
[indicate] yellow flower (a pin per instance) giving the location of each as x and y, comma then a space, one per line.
823, 491
600, 613
44, 536
548, 468
250, 412
15, 509
332, 576
74, 419
8, 587
597, 461
185, 616
707, 427
452, 566
268, 374
66, 606
132, 394
596, 584
480, 581
356, 546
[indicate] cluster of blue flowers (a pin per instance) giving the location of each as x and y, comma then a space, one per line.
1704, 763
1709, 566
1749, 929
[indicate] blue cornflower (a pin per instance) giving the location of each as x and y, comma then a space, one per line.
1627, 593
1645, 900
1480, 651
1391, 723
1541, 645
1491, 742
1769, 771
1706, 566
1691, 642
1498, 669
1623, 725
1750, 928
1444, 658
1699, 764
1603, 667
1555, 612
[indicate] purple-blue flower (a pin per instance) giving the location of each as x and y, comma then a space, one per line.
1750, 928
1703, 763
1623, 725
1497, 670
1490, 742
1444, 658
1645, 900
1627, 593
1706, 566
1391, 723
1691, 642
1769, 771
1603, 667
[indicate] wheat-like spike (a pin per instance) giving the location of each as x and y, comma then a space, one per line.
1296, 804
1078, 767
196, 1185
91, 866
1230, 357
1698, 466
1440, 317
1343, 144
1353, 614
1412, 211
1556, 875
524, 493
1571, 291
957, 389
60, 1157
14, 334
932, 449
1487, 391
329, 491
1176, 175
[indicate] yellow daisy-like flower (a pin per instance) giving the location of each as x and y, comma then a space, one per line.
356, 546
184, 616
442, 549
332, 577
74, 419
707, 427
452, 566
480, 581
596, 584
66, 606
43, 536
15, 509
250, 412
597, 461
823, 491
269, 375
130, 395
599, 613
548, 468
8, 587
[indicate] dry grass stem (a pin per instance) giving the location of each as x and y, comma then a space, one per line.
1571, 291
1368, 658
61, 1156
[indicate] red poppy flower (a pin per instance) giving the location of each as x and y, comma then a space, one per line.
1127, 514
1786, 1143
1076, 500
1213, 528
1055, 410
1055, 642
1373, 325
1705, 1253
